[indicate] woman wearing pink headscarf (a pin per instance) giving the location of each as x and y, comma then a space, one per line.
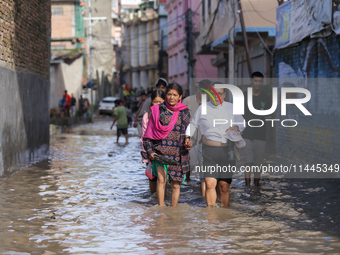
165, 136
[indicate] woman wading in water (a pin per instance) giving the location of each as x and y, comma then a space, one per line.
165, 136
157, 97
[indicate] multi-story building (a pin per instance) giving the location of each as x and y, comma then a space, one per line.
218, 19
102, 48
178, 16
121, 12
67, 25
143, 50
67, 47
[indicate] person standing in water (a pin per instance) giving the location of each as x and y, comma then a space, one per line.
121, 119
157, 97
165, 135
216, 147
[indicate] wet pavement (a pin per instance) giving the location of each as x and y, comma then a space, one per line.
91, 197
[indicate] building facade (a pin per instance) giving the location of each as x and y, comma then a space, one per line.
177, 38
24, 91
103, 53
67, 67
310, 61
67, 25
221, 17
143, 50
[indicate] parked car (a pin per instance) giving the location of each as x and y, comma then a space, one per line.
106, 105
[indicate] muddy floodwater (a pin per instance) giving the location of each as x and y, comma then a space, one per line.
91, 197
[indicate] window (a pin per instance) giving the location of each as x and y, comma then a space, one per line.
203, 9
176, 18
182, 62
221, 10
180, 14
57, 11
170, 21
170, 67
114, 4
58, 47
176, 64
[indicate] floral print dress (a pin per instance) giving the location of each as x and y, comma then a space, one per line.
171, 147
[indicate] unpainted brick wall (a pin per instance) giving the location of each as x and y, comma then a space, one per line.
316, 138
25, 35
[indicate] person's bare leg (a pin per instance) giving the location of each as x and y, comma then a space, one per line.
203, 189
188, 175
127, 138
176, 190
224, 189
117, 139
210, 194
247, 175
257, 179
165, 186
161, 184
153, 186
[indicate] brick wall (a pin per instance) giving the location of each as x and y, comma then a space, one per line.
314, 64
24, 35
24, 90
63, 25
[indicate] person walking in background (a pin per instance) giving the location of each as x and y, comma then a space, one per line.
126, 93
129, 113
165, 136
157, 97
120, 116
62, 103
193, 102
86, 106
81, 106
73, 105
255, 137
143, 97
161, 84
68, 104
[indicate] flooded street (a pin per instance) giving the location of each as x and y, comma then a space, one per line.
91, 197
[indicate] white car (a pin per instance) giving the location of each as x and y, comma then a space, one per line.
106, 105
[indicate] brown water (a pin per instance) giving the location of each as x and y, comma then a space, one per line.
102, 206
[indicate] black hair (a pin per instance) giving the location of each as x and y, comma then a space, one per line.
217, 82
117, 102
143, 94
176, 87
150, 90
161, 82
202, 82
257, 74
157, 93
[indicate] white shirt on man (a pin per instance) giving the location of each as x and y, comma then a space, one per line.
214, 124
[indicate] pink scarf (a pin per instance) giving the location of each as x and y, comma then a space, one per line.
155, 129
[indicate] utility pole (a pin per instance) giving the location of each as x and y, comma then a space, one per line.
90, 42
189, 47
90, 52
245, 39
231, 56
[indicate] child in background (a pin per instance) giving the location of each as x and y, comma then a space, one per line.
157, 97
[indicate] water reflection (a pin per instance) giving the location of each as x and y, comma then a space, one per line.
99, 195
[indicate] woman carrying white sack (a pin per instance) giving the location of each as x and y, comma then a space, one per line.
219, 127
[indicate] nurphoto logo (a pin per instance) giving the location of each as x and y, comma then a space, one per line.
238, 104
